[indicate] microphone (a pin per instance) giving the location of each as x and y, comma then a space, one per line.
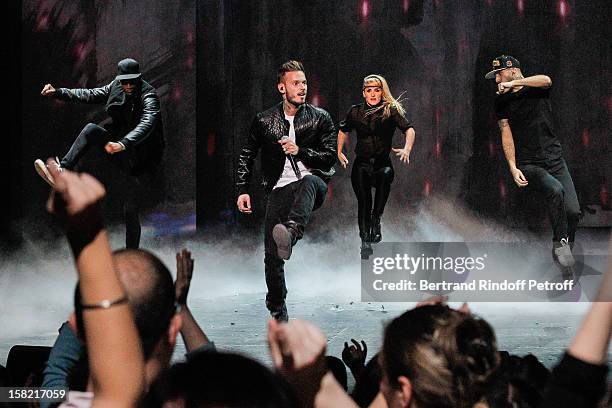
294, 165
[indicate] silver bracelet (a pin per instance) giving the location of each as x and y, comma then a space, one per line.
106, 304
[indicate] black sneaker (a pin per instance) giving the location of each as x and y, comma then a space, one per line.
280, 314
284, 238
563, 253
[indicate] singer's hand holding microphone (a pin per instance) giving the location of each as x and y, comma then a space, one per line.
289, 146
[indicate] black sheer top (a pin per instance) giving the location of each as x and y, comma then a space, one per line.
374, 135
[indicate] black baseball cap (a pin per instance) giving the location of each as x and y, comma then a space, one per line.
128, 69
502, 62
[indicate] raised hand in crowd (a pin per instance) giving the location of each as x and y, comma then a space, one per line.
355, 356
191, 332
579, 379
298, 349
184, 273
115, 356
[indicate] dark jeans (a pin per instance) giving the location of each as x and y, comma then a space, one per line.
293, 202
367, 174
93, 135
555, 184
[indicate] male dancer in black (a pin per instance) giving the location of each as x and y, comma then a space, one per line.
298, 151
135, 134
533, 152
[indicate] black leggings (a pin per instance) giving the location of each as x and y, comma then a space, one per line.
367, 173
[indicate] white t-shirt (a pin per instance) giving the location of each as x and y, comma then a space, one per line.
288, 176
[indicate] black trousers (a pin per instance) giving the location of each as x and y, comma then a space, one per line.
366, 174
293, 202
555, 184
93, 135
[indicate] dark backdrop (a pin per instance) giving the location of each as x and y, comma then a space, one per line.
435, 51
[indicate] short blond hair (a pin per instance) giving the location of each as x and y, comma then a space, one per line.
289, 66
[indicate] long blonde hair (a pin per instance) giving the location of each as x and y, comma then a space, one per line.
388, 101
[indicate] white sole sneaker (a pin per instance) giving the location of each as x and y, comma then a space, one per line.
43, 171
564, 256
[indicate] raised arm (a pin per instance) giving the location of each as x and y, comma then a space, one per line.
535, 81
191, 332
591, 342
579, 379
85, 95
508, 146
298, 349
115, 357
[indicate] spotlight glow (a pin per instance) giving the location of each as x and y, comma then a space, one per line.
562, 9
586, 139
177, 93
438, 149
604, 197
406, 5
427, 186
491, 146
365, 9
502, 189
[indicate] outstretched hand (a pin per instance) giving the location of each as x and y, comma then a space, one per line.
184, 272
342, 159
403, 154
355, 356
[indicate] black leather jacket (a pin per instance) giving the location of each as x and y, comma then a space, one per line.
315, 136
136, 121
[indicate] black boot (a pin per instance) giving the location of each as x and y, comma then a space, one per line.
375, 233
366, 250
366, 246
285, 236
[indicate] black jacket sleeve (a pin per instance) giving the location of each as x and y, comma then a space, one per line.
346, 125
323, 156
247, 156
148, 121
93, 95
400, 120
